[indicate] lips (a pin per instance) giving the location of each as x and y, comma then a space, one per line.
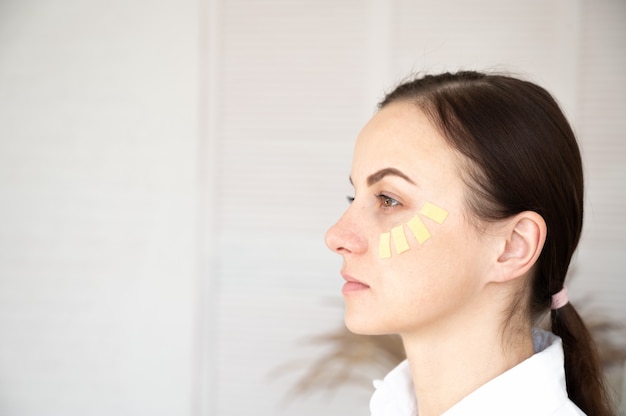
352, 285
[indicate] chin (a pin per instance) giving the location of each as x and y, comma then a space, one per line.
363, 326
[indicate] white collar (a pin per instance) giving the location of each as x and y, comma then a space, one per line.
534, 387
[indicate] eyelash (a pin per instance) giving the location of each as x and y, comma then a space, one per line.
386, 202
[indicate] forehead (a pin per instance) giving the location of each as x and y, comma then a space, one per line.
400, 135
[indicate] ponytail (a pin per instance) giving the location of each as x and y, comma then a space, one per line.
583, 374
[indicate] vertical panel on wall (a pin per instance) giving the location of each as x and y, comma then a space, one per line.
292, 79
97, 206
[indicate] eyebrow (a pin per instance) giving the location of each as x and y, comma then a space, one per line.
378, 176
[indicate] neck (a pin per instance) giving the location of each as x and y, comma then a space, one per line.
454, 359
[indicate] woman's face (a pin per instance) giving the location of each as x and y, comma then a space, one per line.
401, 163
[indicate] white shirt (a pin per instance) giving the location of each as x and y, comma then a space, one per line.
534, 387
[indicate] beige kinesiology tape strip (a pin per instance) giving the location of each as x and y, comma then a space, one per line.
419, 230
434, 213
399, 239
384, 246
417, 227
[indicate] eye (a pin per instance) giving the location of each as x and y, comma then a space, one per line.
387, 201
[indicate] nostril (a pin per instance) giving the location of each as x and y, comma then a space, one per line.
342, 250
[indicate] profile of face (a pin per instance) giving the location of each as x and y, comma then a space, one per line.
401, 163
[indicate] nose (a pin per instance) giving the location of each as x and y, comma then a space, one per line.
346, 236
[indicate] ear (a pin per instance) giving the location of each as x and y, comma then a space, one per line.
523, 238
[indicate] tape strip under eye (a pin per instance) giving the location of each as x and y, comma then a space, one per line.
419, 230
417, 227
434, 213
384, 246
399, 239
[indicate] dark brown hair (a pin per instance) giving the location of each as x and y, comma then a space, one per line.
524, 157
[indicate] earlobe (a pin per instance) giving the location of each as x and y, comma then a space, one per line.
524, 236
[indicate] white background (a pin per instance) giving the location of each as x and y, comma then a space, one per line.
168, 170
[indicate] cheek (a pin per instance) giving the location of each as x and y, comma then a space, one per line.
411, 277
442, 267
423, 289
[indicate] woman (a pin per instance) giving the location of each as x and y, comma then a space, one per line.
468, 206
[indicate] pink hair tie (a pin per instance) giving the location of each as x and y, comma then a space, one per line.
560, 299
